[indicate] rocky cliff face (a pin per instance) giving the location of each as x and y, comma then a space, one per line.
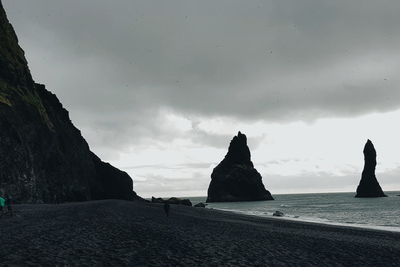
369, 186
43, 157
235, 178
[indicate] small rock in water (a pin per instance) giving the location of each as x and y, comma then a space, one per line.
200, 205
278, 213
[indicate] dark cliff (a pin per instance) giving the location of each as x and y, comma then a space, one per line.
235, 178
369, 186
43, 157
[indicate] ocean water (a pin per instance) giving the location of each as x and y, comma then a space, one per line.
330, 208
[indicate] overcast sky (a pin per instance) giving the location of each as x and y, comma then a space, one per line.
159, 88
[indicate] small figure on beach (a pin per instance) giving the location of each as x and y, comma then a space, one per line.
8, 204
166, 208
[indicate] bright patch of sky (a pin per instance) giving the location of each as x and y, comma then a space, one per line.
286, 155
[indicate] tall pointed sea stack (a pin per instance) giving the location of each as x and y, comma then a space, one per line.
235, 178
43, 157
369, 186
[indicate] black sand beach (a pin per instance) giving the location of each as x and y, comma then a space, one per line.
123, 233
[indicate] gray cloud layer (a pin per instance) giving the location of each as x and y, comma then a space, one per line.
114, 64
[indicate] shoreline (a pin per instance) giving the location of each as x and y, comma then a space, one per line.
394, 229
268, 219
123, 233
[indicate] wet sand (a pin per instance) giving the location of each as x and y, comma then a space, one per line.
122, 233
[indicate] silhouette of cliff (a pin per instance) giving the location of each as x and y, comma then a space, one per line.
235, 178
369, 186
43, 157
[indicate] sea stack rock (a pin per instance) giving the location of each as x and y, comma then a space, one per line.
369, 186
44, 158
235, 178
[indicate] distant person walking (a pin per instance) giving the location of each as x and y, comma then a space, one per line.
2, 204
166, 208
8, 204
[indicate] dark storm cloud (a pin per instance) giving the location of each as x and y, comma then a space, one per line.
118, 62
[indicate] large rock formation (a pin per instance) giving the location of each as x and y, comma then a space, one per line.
369, 186
43, 157
235, 178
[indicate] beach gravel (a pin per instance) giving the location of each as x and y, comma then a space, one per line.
124, 233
